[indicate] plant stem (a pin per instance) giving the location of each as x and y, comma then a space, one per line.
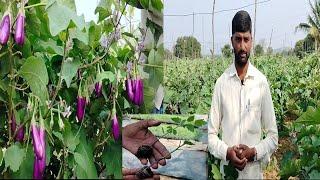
150, 65
95, 61
58, 87
35, 5
164, 157
11, 104
102, 129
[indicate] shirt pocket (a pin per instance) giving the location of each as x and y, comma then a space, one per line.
253, 120
253, 116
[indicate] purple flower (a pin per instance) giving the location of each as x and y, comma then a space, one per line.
129, 67
5, 29
142, 59
81, 105
19, 34
98, 89
104, 41
117, 34
140, 46
115, 128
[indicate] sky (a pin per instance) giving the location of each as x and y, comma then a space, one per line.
279, 16
87, 8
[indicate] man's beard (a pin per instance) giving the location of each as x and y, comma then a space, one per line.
241, 61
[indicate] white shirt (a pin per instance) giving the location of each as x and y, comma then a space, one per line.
241, 113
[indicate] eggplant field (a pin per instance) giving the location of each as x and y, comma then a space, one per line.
295, 90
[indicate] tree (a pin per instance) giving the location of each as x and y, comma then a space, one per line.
187, 46
269, 50
304, 46
168, 54
226, 51
298, 49
258, 50
313, 24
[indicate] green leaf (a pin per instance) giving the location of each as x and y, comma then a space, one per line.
199, 123
148, 93
1, 156
69, 137
35, 72
289, 168
76, 33
190, 119
69, 70
155, 58
112, 158
157, 4
94, 34
105, 75
174, 131
230, 172
215, 171
58, 135
84, 159
314, 174
188, 143
156, 69
176, 119
145, 3
26, 49
14, 157
49, 46
26, 169
315, 140
69, 3
60, 17
104, 9
310, 117
190, 127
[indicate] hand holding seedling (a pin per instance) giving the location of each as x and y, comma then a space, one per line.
133, 174
137, 139
237, 162
240, 155
246, 152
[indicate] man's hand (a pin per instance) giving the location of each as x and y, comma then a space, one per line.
137, 134
130, 174
246, 152
237, 162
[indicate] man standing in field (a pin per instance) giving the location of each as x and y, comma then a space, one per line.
242, 110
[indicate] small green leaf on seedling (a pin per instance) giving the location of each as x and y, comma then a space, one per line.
199, 123
188, 143
190, 119
176, 119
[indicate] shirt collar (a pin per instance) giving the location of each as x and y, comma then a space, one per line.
250, 71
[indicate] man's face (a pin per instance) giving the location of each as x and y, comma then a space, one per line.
242, 43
